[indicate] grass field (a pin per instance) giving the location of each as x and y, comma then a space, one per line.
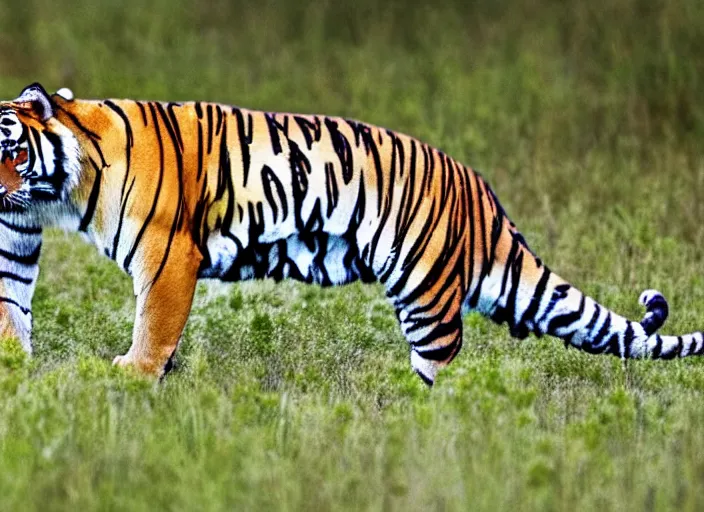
587, 121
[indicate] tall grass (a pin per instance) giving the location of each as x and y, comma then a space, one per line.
587, 120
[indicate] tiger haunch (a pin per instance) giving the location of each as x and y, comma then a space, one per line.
176, 192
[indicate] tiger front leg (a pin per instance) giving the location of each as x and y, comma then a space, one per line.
164, 289
20, 245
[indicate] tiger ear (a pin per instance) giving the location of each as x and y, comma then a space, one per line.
36, 99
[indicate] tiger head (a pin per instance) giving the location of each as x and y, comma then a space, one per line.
39, 160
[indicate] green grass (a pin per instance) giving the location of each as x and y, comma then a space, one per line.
588, 123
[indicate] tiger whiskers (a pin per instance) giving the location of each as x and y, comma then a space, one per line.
19, 199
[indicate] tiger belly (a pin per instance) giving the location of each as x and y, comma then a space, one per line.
320, 258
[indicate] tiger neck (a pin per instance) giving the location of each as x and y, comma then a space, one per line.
94, 129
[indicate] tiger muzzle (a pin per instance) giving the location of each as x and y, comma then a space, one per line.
10, 178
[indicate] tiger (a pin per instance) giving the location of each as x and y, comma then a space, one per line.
178, 192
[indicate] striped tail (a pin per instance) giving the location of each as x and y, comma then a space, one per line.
541, 302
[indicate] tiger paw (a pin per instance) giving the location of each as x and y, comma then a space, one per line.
142, 367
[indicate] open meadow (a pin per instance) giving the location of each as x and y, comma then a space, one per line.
588, 122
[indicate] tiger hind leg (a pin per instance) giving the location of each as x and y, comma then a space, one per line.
434, 341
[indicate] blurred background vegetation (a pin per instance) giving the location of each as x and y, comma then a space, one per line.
577, 73
587, 119
508, 86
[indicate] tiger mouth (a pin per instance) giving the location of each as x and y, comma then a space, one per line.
14, 189
16, 158
10, 180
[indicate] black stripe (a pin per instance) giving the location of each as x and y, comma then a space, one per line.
172, 131
143, 111
432, 275
37, 145
592, 321
209, 112
445, 352
116, 240
129, 144
700, 350
372, 149
387, 209
657, 350
398, 147
179, 201
218, 124
595, 343
429, 320
78, 124
331, 190
23, 259
407, 207
300, 169
399, 234
176, 222
245, 140
671, 354
225, 169
342, 149
273, 127
269, 178
516, 329
25, 230
60, 176
612, 345
93, 137
92, 199
174, 122
14, 277
306, 127
416, 252
469, 196
147, 220
628, 340
200, 150
425, 379
566, 319
481, 224
198, 227
537, 297
7, 300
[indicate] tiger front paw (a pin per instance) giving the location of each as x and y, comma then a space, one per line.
143, 367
